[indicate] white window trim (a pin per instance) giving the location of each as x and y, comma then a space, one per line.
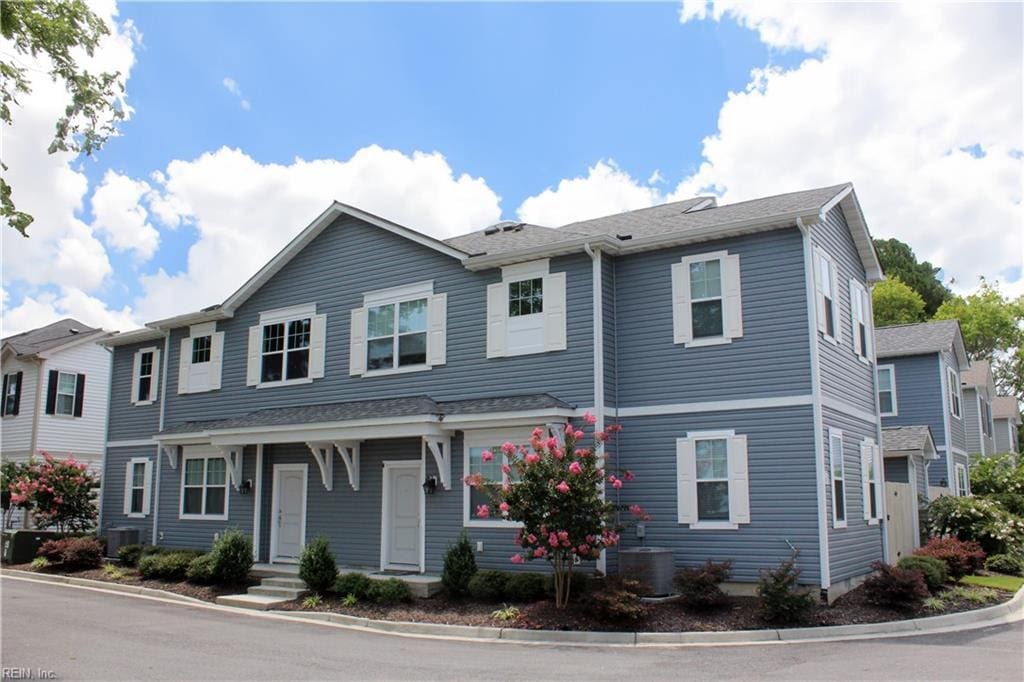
836, 522
874, 452
11, 384
482, 439
865, 313
958, 467
287, 314
697, 524
820, 253
395, 296
74, 400
953, 384
146, 483
137, 376
892, 389
551, 324
284, 316
209, 454
707, 340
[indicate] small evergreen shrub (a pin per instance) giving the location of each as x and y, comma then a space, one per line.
171, 565
73, 553
780, 597
1007, 564
232, 558
488, 585
896, 587
201, 570
524, 587
389, 592
317, 566
129, 555
699, 587
961, 557
459, 566
932, 570
355, 584
617, 601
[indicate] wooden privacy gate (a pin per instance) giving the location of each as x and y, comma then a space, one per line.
899, 508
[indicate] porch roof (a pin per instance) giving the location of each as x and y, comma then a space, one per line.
898, 440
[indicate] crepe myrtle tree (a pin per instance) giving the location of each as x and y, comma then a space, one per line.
553, 487
58, 492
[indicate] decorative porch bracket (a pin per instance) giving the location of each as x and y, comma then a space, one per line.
441, 449
233, 456
323, 454
349, 452
172, 454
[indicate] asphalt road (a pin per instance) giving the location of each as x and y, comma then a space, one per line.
85, 634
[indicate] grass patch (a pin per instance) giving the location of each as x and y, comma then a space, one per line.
1008, 583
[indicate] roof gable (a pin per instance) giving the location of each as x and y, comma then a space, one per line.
935, 336
51, 337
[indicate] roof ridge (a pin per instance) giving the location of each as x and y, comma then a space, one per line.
637, 210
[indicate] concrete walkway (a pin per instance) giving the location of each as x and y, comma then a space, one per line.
85, 634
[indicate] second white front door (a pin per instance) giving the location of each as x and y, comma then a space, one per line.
289, 520
402, 515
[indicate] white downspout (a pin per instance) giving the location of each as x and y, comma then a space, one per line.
163, 407
598, 347
882, 498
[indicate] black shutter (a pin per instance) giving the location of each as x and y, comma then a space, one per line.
17, 394
79, 394
51, 392
3, 397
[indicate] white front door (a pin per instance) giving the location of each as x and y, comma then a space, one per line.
402, 515
288, 523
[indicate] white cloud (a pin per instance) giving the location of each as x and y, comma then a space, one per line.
897, 93
231, 85
36, 311
118, 213
605, 190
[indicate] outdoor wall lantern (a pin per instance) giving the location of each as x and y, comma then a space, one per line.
245, 486
430, 485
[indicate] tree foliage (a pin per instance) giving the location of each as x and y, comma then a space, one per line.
896, 303
898, 260
60, 33
59, 493
991, 322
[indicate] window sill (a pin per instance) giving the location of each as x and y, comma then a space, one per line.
714, 525
202, 517
888, 414
873, 522
493, 523
398, 370
866, 361
143, 403
286, 382
831, 339
838, 524
136, 516
709, 341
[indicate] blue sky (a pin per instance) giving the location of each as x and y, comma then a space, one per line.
553, 112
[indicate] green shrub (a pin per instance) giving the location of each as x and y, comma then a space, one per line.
232, 558
389, 592
459, 566
932, 570
524, 587
172, 565
317, 566
201, 569
961, 558
113, 572
977, 519
129, 555
1000, 478
617, 601
699, 587
1007, 564
73, 553
896, 587
780, 597
39, 563
488, 585
356, 584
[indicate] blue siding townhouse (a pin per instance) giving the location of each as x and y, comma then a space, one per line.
347, 388
979, 388
920, 384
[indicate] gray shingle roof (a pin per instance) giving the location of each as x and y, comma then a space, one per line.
903, 438
1005, 407
646, 222
369, 409
914, 339
45, 338
978, 374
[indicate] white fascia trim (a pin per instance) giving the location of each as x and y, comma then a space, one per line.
287, 314
717, 406
833, 403
527, 270
134, 336
500, 419
138, 443
404, 292
710, 435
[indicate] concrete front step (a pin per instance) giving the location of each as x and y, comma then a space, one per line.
291, 583
279, 592
257, 602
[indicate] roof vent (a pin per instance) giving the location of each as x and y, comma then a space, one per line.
73, 330
624, 237
504, 226
492, 230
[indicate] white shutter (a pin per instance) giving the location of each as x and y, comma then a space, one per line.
836, 319
855, 316
686, 480
876, 453
216, 359
731, 294
184, 365
819, 291
148, 486
497, 320
865, 459
136, 368
437, 330
682, 323
128, 487
252, 370
739, 486
869, 322
554, 311
317, 345
357, 342
154, 393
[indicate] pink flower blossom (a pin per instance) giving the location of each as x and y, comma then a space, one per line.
616, 484
537, 433
473, 480
563, 535
532, 458
483, 511
614, 428
508, 448
551, 443
517, 559
584, 549
486, 456
569, 429
503, 507
628, 475
506, 469
562, 487
540, 552
600, 436
575, 469
532, 539
636, 510
581, 452
553, 540
589, 418
578, 435
558, 453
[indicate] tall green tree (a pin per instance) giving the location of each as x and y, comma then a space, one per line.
59, 32
896, 303
898, 259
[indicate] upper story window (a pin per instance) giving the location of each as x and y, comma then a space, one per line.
146, 367
204, 487
707, 306
287, 347
200, 358
986, 417
145, 376
65, 393
860, 316
825, 282
526, 310
838, 468
399, 329
887, 390
712, 480
201, 349
955, 397
11, 398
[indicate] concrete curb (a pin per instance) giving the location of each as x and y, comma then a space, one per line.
1008, 612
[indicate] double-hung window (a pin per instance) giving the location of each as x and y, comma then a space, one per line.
137, 486
285, 351
955, 397
707, 305
707, 311
396, 335
286, 347
860, 316
962, 487
65, 393
825, 282
869, 453
67, 384
713, 489
146, 367
11, 394
712, 479
887, 390
838, 468
492, 472
204, 487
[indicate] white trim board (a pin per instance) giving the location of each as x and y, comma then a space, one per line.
275, 499
716, 406
849, 410
141, 442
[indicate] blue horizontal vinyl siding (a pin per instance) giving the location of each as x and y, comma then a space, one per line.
957, 425
127, 421
112, 493
919, 397
771, 359
972, 422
